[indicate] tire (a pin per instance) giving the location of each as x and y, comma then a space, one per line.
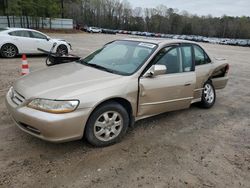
62, 50
208, 95
9, 50
107, 125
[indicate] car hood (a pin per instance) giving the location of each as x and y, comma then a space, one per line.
64, 81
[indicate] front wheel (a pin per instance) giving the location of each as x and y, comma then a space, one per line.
62, 50
107, 125
208, 95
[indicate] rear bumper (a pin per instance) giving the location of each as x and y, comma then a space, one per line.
50, 127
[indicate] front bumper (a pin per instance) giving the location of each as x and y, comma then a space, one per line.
47, 126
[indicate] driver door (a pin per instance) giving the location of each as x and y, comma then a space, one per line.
172, 90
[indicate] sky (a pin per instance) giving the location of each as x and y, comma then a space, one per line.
201, 7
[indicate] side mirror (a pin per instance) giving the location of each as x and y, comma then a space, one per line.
48, 38
156, 70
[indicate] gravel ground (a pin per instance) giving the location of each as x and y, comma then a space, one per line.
187, 148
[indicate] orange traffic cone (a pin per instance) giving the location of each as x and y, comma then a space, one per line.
25, 65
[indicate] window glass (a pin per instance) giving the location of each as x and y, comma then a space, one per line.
114, 52
170, 57
207, 59
38, 35
12, 33
141, 53
201, 57
20, 33
121, 57
186, 58
3, 29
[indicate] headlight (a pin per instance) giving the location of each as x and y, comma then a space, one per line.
10, 92
54, 106
70, 46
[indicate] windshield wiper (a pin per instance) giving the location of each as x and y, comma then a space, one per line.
82, 61
100, 67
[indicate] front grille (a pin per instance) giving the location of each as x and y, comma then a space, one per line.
17, 98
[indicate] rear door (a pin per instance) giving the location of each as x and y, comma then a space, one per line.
220, 73
23, 41
202, 68
172, 90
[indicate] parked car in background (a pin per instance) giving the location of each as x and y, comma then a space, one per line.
147, 34
248, 42
134, 32
108, 31
14, 41
94, 30
99, 96
124, 32
242, 42
84, 28
197, 38
157, 34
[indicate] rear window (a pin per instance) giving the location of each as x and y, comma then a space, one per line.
37, 35
21, 33
201, 57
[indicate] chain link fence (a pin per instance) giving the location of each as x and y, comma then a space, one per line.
35, 22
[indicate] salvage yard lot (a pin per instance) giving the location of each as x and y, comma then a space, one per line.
187, 148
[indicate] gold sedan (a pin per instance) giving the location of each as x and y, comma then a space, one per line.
99, 96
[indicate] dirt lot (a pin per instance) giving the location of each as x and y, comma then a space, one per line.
188, 148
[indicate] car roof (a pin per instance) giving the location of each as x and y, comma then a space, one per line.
159, 41
8, 29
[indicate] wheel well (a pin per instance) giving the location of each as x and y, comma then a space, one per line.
11, 44
62, 45
125, 103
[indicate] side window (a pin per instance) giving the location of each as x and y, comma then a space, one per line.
187, 58
37, 35
201, 57
170, 57
20, 33
13, 33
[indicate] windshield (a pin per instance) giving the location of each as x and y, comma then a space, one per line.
120, 57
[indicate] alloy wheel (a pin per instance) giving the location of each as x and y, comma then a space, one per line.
209, 93
62, 50
108, 126
8, 51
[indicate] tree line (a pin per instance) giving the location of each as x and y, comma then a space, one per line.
117, 14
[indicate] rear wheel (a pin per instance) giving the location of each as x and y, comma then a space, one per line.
208, 95
62, 50
107, 125
9, 50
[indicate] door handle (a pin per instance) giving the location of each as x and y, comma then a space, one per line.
187, 84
